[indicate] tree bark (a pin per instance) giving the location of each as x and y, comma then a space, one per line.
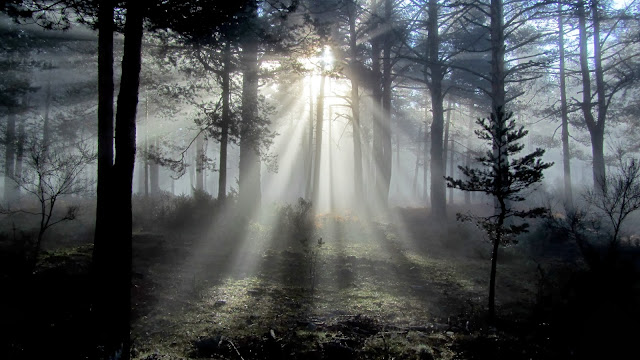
497, 55
387, 150
249, 176
226, 120
494, 262
117, 269
154, 170
598, 156
309, 149
566, 155
596, 128
199, 162
435, 73
355, 107
318, 152
451, 168
9, 157
103, 251
19, 152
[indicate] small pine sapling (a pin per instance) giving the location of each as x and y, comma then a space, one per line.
505, 177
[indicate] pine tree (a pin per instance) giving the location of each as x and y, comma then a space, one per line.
505, 180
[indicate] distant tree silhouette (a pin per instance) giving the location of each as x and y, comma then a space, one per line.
505, 180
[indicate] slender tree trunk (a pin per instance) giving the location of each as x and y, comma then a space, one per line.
494, 263
200, 162
451, 166
318, 151
107, 334
309, 149
9, 157
146, 147
125, 142
386, 108
596, 129
226, 120
445, 143
435, 75
19, 152
355, 107
414, 187
498, 97
249, 177
598, 158
46, 126
154, 170
566, 155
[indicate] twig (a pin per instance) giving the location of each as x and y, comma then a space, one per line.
236, 349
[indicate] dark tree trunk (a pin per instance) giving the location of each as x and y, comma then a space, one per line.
566, 155
249, 177
9, 157
200, 162
417, 166
387, 150
226, 120
114, 253
497, 55
445, 143
451, 168
598, 156
596, 129
309, 149
435, 73
494, 262
46, 126
108, 336
355, 107
145, 163
318, 152
154, 170
19, 151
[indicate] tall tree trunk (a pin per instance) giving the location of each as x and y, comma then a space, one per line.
118, 282
200, 162
596, 129
107, 334
417, 166
318, 152
435, 73
451, 168
426, 164
598, 158
498, 97
445, 143
226, 120
386, 107
145, 163
9, 157
154, 170
249, 176
46, 126
355, 107
494, 261
19, 152
566, 155
309, 149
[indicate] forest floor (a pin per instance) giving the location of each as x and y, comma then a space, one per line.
399, 288
380, 290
